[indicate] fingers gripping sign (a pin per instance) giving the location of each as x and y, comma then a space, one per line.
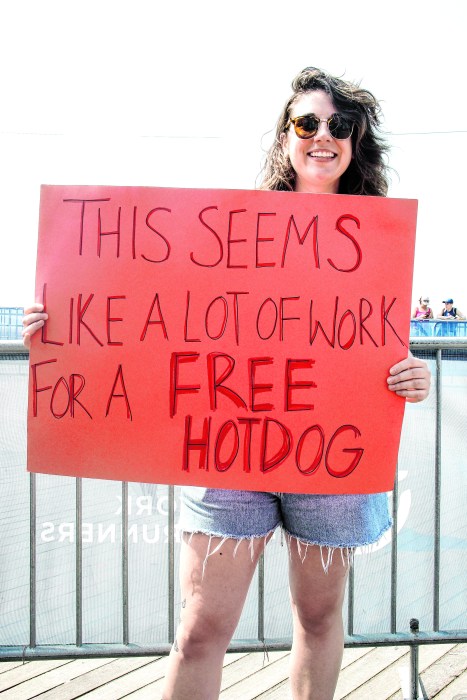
410, 378
34, 318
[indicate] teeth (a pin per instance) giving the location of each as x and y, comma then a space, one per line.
322, 154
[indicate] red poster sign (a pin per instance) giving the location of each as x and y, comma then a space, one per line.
231, 339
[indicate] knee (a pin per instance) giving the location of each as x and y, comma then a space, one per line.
318, 620
195, 638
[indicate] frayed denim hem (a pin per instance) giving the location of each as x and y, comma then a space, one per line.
326, 551
347, 552
223, 539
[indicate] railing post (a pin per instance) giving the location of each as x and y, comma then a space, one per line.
351, 600
171, 564
32, 559
125, 584
414, 628
261, 598
395, 507
437, 524
79, 560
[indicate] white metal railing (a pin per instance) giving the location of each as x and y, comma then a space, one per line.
434, 347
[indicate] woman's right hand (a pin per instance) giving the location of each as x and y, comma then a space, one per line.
33, 319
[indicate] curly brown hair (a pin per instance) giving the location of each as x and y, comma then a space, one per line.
368, 171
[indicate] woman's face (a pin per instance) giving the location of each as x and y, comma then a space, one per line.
319, 161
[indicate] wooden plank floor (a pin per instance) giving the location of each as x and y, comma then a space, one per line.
367, 674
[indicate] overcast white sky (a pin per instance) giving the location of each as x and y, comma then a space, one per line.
182, 94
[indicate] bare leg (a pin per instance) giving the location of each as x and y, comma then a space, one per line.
318, 638
211, 607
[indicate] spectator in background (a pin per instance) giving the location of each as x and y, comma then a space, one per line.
423, 312
450, 312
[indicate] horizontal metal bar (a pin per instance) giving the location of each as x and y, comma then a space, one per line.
439, 343
13, 347
65, 651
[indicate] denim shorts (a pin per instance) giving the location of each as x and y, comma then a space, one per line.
330, 521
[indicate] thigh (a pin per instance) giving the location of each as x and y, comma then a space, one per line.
215, 574
316, 592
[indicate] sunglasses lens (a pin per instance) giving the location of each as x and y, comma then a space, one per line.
306, 127
339, 127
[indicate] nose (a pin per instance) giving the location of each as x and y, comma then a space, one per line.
323, 130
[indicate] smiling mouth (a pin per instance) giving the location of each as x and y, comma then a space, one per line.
328, 155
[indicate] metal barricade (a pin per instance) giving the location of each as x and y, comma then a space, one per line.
429, 328
11, 322
406, 633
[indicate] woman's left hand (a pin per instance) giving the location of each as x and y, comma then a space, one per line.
410, 378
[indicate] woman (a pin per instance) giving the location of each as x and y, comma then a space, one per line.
422, 312
450, 312
326, 142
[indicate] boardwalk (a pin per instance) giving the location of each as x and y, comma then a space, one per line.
367, 674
